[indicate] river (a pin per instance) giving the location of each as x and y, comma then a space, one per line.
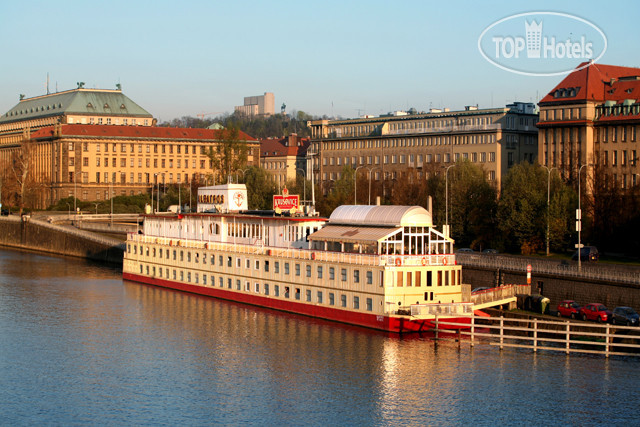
80, 346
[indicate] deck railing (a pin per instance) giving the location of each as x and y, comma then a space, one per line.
448, 309
304, 254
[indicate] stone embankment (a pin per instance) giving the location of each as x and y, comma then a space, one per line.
41, 236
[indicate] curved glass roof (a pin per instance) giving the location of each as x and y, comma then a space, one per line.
395, 216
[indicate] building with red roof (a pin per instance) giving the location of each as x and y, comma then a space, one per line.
285, 157
591, 118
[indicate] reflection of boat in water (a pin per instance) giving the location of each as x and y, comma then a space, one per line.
383, 267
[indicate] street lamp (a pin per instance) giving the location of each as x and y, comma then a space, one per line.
68, 210
304, 185
97, 204
74, 191
243, 172
355, 188
548, 198
446, 194
579, 221
371, 170
155, 178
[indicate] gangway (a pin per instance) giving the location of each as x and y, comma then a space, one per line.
501, 295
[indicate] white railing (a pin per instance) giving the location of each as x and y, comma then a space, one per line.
303, 254
448, 309
499, 293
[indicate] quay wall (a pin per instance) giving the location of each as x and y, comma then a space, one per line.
40, 236
557, 287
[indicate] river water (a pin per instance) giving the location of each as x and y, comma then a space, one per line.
79, 346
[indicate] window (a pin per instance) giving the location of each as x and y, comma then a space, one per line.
369, 277
319, 297
369, 304
332, 273
343, 274
356, 303
343, 300
319, 272
331, 298
308, 268
276, 290
356, 276
308, 295
286, 268
297, 269
277, 267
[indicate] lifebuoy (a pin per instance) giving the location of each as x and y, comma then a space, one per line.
398, 262
424, 260
444, 260
313, 255
170, 242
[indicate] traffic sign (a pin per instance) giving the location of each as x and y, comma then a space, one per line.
528, 268
579, 246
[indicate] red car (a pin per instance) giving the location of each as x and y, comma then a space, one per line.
569, 308
595, 311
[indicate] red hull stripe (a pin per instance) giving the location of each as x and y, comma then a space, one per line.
384, 323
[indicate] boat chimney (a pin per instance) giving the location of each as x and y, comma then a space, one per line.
429, 201
377, 200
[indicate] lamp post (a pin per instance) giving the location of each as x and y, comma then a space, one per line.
74, 191
155, 179
355, 187
97, 204
179, 199
371, 170
243, 172
579, 221
446, 194
68, 210
304, 185
111, 197
548, 199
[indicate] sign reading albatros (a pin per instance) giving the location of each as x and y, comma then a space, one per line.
285, 202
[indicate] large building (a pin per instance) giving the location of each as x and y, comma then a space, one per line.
283, 158
92, 144
592, 117
260, 105
388, 146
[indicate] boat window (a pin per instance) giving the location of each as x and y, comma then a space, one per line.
286, 292
221, 282
356, 276
266, 289
308, 293
332, 273
257, 265
429, 278
248, 263
204, 258
356, 303
188, 257
257, 288
297, 295
369, 304
204, 279
181, 276
277, 267
238, 285
297, 269
343, 274
181, 255
229, 262
343, 300
286, 268
276, 290
369, 277
319, 297
266, 266
331, 298
319, 272
308, 271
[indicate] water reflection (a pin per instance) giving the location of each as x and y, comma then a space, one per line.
81, 346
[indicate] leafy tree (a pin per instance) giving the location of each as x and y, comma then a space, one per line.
339, 193
260, 188
522, 208
229, 155
472, 207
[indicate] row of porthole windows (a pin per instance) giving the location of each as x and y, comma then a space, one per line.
284, 291
179, 255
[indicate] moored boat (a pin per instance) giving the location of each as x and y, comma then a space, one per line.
383, 267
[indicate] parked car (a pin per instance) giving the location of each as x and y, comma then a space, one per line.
625, 316
595, 311
464, 250
476, 290
569, 308
588, 253
490, 252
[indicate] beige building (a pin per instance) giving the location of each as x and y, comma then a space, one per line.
260, 105
388, 146
70, 149
284, 158
593, 117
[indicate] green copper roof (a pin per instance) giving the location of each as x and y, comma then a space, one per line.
77, 101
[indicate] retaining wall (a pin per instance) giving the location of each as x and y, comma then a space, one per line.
34, 235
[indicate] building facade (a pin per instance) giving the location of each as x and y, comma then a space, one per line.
94, 144
389, 146
284, 158
592, 117
260, 105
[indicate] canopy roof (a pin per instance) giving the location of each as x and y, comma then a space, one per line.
389, 216
339, 233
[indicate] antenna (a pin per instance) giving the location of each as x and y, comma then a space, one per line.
48, 84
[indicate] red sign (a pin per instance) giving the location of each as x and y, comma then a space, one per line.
528, 268
286, 202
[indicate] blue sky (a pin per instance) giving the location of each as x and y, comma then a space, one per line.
337, 57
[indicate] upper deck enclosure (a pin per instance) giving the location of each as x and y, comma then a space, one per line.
401, 230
